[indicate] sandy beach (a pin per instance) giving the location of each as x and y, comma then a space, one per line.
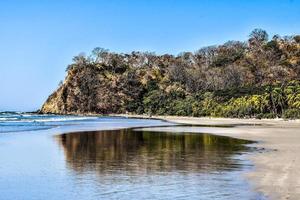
277, 168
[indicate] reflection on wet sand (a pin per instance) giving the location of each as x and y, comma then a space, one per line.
144, 152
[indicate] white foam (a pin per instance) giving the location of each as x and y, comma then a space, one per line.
63, 119
46, 119
7, 118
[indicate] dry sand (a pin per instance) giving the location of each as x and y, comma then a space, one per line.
277, 170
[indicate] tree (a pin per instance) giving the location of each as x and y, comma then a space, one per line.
297, 38
80, 59
99, 54
258, 36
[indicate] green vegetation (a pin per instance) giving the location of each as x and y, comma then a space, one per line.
254, 79
280, 100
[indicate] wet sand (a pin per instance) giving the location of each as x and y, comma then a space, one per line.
277, 168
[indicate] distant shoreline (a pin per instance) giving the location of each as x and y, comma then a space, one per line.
163, 117
184, 119
210, 120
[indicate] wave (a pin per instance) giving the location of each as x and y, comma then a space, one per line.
64, 119
13, 118
10, 113
22, 125
7, 118
18, 122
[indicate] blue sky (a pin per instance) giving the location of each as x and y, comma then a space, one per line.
39, 38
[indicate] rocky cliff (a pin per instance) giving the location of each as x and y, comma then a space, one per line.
90, 89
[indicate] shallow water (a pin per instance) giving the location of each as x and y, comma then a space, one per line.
120, 164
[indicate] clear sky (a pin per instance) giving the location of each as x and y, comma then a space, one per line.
38, 38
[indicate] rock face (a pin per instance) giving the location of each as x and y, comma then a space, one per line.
90, 89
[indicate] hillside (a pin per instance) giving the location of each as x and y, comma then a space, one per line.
257, 78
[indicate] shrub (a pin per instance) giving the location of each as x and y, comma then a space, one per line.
291, 114
266, 116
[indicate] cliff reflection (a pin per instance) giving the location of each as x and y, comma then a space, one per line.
148, 152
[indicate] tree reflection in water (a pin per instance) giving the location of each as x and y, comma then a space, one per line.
144, 152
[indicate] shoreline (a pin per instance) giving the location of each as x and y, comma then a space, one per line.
210, 120
276, 170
